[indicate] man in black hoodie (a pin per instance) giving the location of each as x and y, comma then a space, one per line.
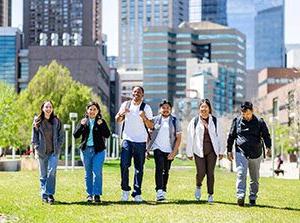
249, 134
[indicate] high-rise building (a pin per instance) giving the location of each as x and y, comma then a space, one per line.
208, 10
241, 16
5, 12
64, 20
10, 44
166, 50
137, 14
269, 38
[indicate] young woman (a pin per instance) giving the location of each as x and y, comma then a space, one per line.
203, 145
92, 129
47, 139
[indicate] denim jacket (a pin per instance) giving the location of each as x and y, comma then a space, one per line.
38, 138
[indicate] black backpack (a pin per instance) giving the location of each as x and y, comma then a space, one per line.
197, 120
142, 107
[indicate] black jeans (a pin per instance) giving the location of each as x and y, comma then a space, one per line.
137, 151
162, 167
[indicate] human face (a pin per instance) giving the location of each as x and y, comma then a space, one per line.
204, 110
47, 109
165, 110
137, 94
92, 111
247, 114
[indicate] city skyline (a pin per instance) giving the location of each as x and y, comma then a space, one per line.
110, 22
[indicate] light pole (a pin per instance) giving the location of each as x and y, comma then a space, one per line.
73, 117
272, 120
66, 128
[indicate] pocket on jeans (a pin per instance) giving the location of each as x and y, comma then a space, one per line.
125, 145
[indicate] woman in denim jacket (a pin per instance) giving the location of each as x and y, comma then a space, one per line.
47, 139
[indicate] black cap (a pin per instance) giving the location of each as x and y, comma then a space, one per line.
165, 102
246, 105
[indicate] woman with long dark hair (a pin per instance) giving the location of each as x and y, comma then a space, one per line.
47, 139
203, 144
92, 129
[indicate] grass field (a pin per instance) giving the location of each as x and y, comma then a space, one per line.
279, 200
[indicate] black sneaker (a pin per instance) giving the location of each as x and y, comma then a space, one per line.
97, 199
89, 198
252, 202
51, 199
241, 202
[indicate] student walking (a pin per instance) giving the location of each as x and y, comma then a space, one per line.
47, 140
247, 131
136, 117
165, 141
93, 130
203, 144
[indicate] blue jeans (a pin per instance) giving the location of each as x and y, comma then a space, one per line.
93, 164
242, 165
137, 151
47, 167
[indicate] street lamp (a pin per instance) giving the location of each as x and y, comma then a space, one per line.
272, 121
66, 128
73, 117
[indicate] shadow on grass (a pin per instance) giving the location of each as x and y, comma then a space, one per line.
170, 202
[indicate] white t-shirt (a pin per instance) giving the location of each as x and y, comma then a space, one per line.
134, 130
162, 141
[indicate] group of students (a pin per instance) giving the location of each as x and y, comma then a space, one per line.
141, 133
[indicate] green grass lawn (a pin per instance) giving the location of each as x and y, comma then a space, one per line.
279, 200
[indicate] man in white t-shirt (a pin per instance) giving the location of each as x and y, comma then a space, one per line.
137, 119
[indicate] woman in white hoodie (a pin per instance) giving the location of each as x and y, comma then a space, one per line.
203, 144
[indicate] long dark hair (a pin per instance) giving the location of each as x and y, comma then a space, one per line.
41, 115
206, 101
91, 103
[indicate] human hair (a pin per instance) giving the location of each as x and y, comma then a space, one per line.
96, 104
165, 102
206, 101
138, 86
41, 115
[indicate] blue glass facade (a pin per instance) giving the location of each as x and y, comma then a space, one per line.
269, 38
208, 10
8, 58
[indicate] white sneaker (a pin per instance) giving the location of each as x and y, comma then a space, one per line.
198, 193
160, 195
125, 195
138, 198
210, 199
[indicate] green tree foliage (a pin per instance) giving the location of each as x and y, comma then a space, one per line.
54, 82
9, 117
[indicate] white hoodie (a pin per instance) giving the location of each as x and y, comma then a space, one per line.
195, 138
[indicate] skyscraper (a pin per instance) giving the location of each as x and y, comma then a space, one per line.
74, 17
241, 16
137, 14
269, 38
208, 10
5, 12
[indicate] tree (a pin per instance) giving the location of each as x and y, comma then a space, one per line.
9, 117
54, 82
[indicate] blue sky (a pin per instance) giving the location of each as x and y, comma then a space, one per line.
110, 21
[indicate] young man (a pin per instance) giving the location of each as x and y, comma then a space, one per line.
248, 131
137, 119
165, 141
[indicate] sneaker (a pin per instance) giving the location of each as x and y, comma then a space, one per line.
252, 202
45, 200
160, 195
138, 198
198, 193
210, 199
241, 202
125, 195
51, 199
89, 198
97, 199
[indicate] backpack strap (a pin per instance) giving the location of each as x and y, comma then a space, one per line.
128, 103
197, 120
174, 124
142, 108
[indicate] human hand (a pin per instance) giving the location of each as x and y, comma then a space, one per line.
229, 156
221, 156
83, 121
190, 157
171, 156
268, 152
